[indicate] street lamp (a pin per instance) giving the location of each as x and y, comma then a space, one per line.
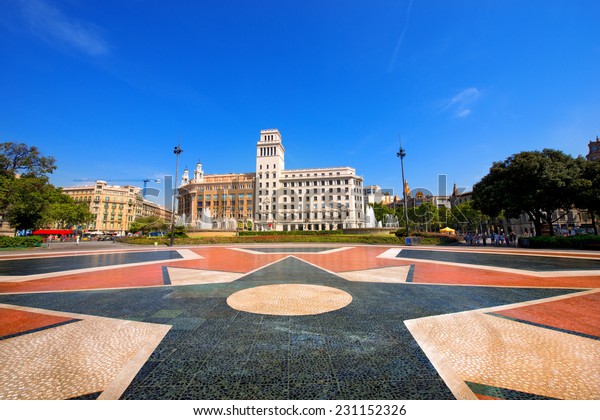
177, 150
401, 153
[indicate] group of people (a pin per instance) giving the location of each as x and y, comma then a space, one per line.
62, 238
495, 239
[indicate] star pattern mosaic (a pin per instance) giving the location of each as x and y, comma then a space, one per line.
409, 327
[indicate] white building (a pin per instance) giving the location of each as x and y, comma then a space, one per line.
303, 199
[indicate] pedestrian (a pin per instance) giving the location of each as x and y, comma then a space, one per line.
77, 240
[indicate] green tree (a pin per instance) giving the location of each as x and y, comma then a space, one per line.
424, 217
33, 203
27, 199
466, 218
17, 159
446, 218
430, 216
63, 211
148, 224
587, 189
535, 183
381, 211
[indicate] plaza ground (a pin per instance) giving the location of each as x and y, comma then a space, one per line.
298, 322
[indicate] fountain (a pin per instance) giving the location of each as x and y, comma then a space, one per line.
391, 221
370, 221
230, 224
371, 226
205, 220
180, 220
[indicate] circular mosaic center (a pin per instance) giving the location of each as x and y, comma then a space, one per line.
289, 299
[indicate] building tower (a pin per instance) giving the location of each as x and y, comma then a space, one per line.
594, 147
270, 162
198, 173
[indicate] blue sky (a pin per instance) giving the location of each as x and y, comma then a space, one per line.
108, 86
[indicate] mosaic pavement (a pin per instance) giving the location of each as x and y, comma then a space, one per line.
300, 322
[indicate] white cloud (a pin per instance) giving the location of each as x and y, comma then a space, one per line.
461, 103
50, 24
401, 38
463, 113
466, 96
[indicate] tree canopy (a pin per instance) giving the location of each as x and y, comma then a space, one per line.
588, 187
27, 199
148, 224
17, 159
535, 183
466, 218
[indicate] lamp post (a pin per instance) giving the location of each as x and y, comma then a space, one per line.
177, 150
401, 153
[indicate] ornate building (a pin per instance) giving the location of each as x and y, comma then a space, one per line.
273, 198
594, 150
114, 206
303, 199
216, 201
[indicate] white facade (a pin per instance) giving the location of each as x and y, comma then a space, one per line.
303, 199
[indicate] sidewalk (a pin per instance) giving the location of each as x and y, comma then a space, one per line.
69, 246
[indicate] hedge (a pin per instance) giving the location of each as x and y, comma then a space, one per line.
272, 238
562, 242
430, 238
20, 241
290, 233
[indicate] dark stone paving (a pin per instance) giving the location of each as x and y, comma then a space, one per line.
520, 262
502, 393
362, 351
30, 266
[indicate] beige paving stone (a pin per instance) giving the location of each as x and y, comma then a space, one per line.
378, 275
289, 299
489, 350
92, 355
185, 276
